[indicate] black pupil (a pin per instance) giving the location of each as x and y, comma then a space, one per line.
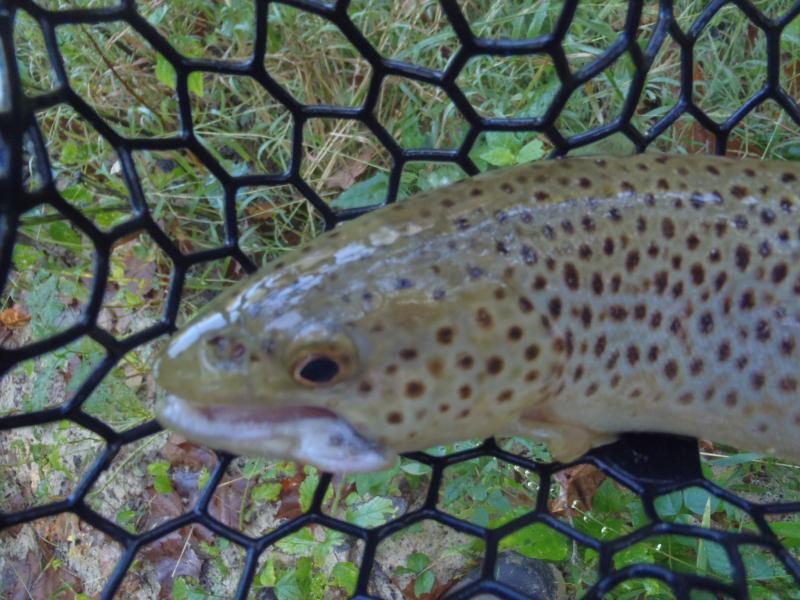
320, 370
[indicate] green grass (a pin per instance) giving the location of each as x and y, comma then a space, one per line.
133, 88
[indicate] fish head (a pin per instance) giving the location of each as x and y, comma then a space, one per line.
324, 366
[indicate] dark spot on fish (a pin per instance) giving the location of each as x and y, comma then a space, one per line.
571, 276
505, 396
394, 417
408, 353
494, 365
668, 228
757, 380
475, 272
484, 318
415, 389
465, 361
739, 191
528, 255
445, 335
742, 254
403, 283
671, 369
554, 307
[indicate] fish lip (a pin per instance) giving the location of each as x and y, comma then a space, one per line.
273, 415
306, 434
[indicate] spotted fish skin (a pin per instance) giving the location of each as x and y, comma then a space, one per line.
567, 300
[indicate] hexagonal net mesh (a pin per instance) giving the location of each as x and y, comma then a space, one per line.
117, 142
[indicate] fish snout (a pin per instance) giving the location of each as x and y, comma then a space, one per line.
208, 366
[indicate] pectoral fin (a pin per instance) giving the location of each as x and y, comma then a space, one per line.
566, 441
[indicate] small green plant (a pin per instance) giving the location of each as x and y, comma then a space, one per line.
162, 482
418, 564
306, 570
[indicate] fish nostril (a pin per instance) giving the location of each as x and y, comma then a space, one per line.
226, 352
237, 351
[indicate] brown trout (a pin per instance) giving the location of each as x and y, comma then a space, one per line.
566, 300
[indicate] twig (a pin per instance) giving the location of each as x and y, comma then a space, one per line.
183, 551
124, 83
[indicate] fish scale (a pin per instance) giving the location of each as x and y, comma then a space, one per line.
566, 300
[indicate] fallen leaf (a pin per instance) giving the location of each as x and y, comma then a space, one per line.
437, 591
260, 211
169, 545
16, 316
226, 504
290, 496
54, 531
56, 583
347, 176
578, 486
141, 274
173, 556
186, 564
185, 483
163, 507
26, 579
178, 451
17, 576
12, 502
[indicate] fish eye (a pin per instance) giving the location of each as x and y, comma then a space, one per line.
317, 370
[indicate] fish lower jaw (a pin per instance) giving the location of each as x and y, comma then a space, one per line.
305, 434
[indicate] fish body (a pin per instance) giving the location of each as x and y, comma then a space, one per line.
566, 300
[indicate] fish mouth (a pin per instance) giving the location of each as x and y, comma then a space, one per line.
306, 434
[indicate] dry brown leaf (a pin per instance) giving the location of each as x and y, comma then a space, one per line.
142, 274
53, 580
437, 591
166, 546
290, 496
55, 530
185, 482
12, 502
173, 556
185, 564
162, 508
18, 576
260, 211
346, 176
226, 504
26, 579
178, 451
578, 486
13, 317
